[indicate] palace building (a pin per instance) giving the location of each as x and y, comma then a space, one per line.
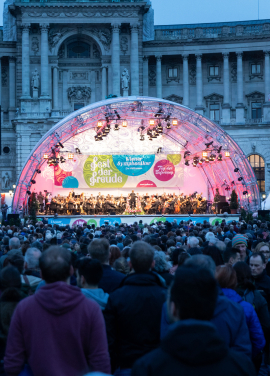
58, 56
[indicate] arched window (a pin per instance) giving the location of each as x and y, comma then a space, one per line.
257, 163
78, 49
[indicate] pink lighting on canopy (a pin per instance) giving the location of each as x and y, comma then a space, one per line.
191, 133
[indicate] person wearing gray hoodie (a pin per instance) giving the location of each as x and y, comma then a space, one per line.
89, 274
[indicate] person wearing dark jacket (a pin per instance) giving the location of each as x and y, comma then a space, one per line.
226, 277
99, 249
133, 312
193, 346
259, 276
57, 331
228, 317
246, 289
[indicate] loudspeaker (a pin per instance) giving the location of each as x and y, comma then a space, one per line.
264, 213
220, 206
226, 209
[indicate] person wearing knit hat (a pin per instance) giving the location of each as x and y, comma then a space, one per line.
240, 242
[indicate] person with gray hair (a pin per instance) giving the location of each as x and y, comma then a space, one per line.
133, 312
14, 247
192, 242
31, 276
162, 267
229, 317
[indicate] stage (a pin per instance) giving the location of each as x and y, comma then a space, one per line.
99, 220
149, 146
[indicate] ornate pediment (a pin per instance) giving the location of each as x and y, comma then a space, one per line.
174, 98
79, 93
255, 95
214, 97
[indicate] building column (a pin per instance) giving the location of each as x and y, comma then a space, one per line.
145, 76
55, 89
44, 61
93, 86
199, 89
185, 81
110, 90
25, 62
266, 106
66, 106
104, 82
134, 59
159, 76
115, 60
226, 108
12, 87
240, 110
1, 88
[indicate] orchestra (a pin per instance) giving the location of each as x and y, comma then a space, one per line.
153, 204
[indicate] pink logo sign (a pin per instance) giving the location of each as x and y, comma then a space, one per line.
146, 183
78, 222
164, 170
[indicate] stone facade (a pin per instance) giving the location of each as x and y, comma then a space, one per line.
56, 57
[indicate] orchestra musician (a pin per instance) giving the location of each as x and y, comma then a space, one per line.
155, 204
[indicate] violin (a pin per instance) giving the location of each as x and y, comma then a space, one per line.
148, 205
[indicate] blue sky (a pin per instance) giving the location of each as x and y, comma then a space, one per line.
199, 11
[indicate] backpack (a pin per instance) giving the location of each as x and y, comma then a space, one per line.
249, 297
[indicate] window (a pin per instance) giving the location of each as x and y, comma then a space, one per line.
213, 70
77, 106
256, 110
257, 163
6, 149
214, 111
78, 49
255, 68
173, 72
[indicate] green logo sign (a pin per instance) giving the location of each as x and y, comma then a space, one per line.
158, 219
92, 222
99, 171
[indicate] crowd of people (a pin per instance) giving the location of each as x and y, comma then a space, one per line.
79, 204
143, 300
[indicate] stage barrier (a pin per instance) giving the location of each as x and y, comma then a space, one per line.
130, 219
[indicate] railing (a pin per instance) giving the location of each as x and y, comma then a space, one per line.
200, 32
254, 121
78, 1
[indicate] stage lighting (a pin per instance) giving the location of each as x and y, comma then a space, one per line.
14, 186
187, 163
116, 127
227, 154
208, 144
124, 123
77, 150
227, 189
152, 122
245, 192
142, 137
174, 122
61, 145
219, 149
219, 158
104, 134
33, 181
233, 183
62, 160
212, 157
28, 192
106, 130
70, 155
239, 179
159, 150
159, 112
207, 160
99, 123
187, 153
46, 156
204, 154
38, 171
154, 134
168, 126
150, 138
118, 116
236, 169
201, 161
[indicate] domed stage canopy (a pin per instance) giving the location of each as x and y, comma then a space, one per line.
142, 143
